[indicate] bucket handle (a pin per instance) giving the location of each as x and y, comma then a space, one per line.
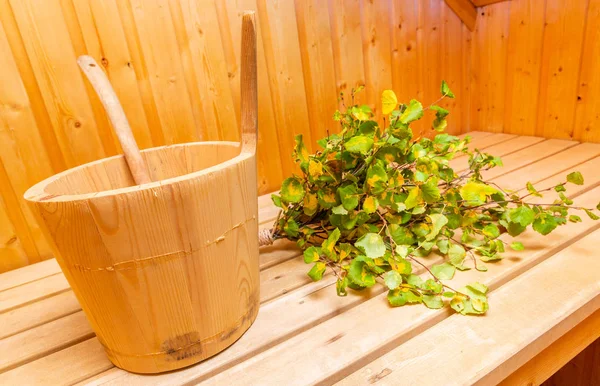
248, 85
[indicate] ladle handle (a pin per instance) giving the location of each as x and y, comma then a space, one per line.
248, 84
117, 117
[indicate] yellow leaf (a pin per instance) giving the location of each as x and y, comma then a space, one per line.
370, 204
388, 102
315, 168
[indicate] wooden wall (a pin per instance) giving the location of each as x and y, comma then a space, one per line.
530, 67
175, 67
536, 69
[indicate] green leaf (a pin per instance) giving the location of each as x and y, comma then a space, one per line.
517, 246
349, 196
339, 210
359, 272
402, 266
522, 215
545, 224
371, 244
591, 214
393, 279
291, 228
440, 112
376, 178
300, 152
389, 101
475, 193
443, 271
574, 218
402, 250
401, 235
292, 190
437, 221
491, 231
430, 191
317, 271
326, 199
341, 285
415, 197
362, 113
532, 190
310, 204
433, 301
312, 254
445, 90
413, 111
359, 144
401, 296
457, 254
575, 178
276, 200
332, 239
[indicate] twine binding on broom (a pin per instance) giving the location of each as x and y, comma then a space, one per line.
265, 237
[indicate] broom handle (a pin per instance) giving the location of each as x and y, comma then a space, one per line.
117, 117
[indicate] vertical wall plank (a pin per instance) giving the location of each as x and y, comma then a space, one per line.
346, 35
524, 52
467, 67
284, 66
407, 74
375, 33
109, 140
491, 36
587, 120
12, 253
451, 68
314, 33
169, 85
105, 40
269, 160
203, 42
32, 89
23, 155
53, 60
561, 54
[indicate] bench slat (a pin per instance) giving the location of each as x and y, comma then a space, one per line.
60, 368
529, 314
38, 313
28, 274
43, 340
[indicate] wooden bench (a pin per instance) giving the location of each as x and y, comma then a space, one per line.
544, 309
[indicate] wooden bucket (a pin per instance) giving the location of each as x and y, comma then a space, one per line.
166, 272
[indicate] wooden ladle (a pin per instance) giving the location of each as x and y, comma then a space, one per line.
117, 117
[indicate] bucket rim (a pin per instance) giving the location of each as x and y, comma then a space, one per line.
37, 192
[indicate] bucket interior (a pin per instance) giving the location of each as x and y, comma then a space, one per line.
163, 163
